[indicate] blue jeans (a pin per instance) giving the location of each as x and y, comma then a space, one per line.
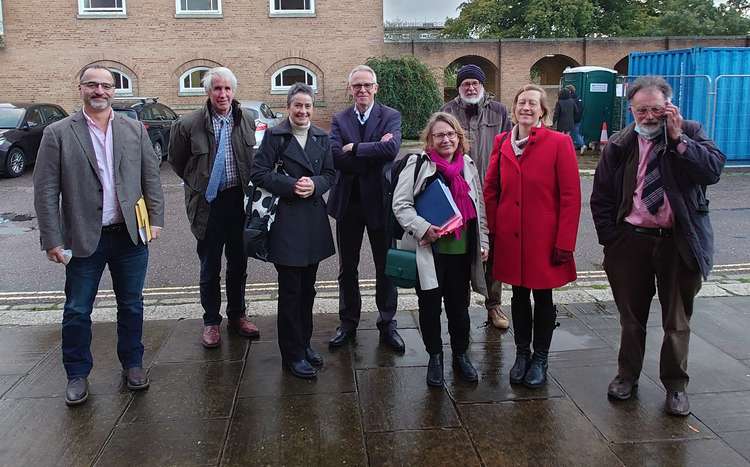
576, 135
127, 266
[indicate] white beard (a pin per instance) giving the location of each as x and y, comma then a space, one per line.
472, 100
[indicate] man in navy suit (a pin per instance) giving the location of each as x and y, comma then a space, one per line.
364, 138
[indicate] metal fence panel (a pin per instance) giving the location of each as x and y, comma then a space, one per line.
730, 122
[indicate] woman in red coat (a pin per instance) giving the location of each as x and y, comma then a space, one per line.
532, 193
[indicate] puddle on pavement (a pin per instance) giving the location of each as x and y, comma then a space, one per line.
7, 226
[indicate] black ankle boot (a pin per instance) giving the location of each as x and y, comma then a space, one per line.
536, 375
520, 367
463, 367
435, 370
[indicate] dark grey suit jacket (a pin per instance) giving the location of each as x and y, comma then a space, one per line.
68, 194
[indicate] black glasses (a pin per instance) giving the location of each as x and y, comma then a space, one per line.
95, 84
358, 86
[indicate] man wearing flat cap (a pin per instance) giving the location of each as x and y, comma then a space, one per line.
482, 118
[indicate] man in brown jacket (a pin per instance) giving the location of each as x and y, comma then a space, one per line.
211, 150
482, 118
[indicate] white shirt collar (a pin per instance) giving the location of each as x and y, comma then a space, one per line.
363, 120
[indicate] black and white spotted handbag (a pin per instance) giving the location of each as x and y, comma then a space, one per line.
260, 212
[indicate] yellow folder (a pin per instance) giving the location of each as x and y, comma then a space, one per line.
141, 216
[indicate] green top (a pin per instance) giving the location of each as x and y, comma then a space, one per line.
450, 245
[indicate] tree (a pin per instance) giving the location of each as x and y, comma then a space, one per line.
407, 85
597, 18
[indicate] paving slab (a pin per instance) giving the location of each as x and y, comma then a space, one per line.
369, 320
186, 391
479, 331
7, 381
640, 418
264, 375
739, 441
723, 326
536, 432
399, 399
44, 432
446, 447
369, 352
723, 412
21, 347
693, 453
572, 334
300, 430
184, 345
493, 361
195, 443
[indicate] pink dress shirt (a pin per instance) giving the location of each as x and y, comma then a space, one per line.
102, 142
639, 215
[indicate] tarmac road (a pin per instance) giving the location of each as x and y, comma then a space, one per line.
174, 263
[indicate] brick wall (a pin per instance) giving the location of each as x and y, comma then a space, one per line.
47, 44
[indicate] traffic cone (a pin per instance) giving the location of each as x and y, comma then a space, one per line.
603, 138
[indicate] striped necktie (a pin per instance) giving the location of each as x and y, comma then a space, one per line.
653, 189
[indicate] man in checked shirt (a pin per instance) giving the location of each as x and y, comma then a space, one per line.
211, 150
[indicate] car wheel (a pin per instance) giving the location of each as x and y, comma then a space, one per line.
15, 163
159, 150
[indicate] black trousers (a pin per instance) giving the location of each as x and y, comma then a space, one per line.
638, 266
294, 320
350, 230
224, 234
454, 276
537, 325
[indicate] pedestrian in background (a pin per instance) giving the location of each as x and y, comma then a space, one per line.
211, 150
651, 215
365, 138
448, 265
300, 235
533, 198
91, 169
482, 118
565, 110
578, 141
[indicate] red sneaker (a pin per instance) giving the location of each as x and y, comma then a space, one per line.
211, 336
244, 327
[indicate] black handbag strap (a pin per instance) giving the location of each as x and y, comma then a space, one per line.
499, 155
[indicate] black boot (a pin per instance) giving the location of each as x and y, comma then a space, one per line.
435, 370
522, 325
463, 367
536, 375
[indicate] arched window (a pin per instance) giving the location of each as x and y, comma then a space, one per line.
123, 83
287, 76
190, 81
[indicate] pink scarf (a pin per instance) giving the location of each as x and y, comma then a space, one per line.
451, 171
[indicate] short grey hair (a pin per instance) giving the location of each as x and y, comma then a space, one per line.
363, 68
95, 66
220, 72
647, 82
299, 88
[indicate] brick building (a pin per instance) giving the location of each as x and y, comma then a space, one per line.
161, 47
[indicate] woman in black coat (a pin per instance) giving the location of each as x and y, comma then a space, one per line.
565, 110
300, 237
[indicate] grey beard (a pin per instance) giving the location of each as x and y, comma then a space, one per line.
473, 100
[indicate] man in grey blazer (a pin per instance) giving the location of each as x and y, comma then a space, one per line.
91, 169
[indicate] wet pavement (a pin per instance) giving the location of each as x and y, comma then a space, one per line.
369, 406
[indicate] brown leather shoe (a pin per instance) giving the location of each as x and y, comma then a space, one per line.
244, 327
677, 403
621, 389
211, 336
136, 378
498, 318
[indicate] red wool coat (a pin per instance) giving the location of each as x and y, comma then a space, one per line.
538, 209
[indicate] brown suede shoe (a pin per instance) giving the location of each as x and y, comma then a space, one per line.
498, 318
621, 389
211, 336
677, 403
244, 327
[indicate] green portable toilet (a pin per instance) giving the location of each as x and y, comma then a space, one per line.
595, 86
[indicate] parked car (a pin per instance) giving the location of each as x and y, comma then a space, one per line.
264, 118
21, 128
156, 117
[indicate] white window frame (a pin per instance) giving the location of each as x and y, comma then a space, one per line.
284, 89
101, 12
123, 91
304, 12
192, 91
192, 13
1, 20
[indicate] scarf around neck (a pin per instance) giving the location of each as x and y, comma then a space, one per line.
452, 172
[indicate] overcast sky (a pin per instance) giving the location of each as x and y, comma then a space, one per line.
419, 10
